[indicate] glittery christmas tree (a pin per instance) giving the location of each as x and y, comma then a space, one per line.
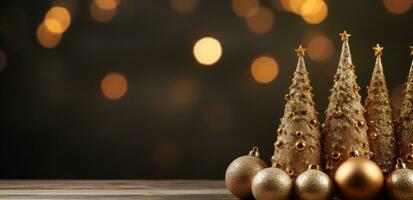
298, 141
405, 122
379, 118
344, 129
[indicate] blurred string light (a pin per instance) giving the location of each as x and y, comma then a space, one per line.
71, 5
56, 21
114, 86
320, 48
207, 50
264, 69
262, 21
312, 11
245, 8
3, 60
103, 10
47, 38
397, 6
184, 6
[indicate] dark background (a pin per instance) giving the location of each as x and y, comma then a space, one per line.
56, 123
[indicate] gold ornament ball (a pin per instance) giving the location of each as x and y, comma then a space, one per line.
313, 184
359, 178
400, 182
240, 173
272, 184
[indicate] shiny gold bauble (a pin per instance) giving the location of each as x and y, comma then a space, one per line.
272, 184
359, 178
240, 173
313, 184
399, 183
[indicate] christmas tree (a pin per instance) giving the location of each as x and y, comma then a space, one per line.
344, 129
297, 144
379, 118
405, 122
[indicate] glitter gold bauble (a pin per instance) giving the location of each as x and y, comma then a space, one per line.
272, 184
359, 178
399, 184
240, 173
313, 184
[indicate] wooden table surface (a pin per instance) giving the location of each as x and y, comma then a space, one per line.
133, 189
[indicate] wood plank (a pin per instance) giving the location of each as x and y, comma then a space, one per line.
109, 189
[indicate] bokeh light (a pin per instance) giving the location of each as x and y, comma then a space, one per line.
245, 8
107, 4
294, 6
184, 6
114, 86
320, 48
182, 93
46, 38
57, 19
314, 11
71, 5
101, 15
3, 60
397, 6
264, 69
207, 50
262, 21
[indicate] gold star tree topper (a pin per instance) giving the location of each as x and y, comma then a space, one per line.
378, 50
344, 36
300, 51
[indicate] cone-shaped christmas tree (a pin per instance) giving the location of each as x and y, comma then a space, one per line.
344, 129
298, 141
379, 118
405, 122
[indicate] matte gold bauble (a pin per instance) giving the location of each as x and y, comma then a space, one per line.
272, 184
399, 183
313, 184
359, 178
240, 173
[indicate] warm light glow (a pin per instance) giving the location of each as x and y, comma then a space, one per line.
184, 6
315, 11
295, 6
114, 86
262, 21
207, 50
320, 48
397, 6
57, 19
285, 4
101, 15
46, 38
107, 4
264, 69
3, 60
245, 8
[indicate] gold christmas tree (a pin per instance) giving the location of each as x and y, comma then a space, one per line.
379, 118
405, 122
344, 129
298, 141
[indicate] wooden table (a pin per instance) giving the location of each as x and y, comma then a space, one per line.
133, 189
